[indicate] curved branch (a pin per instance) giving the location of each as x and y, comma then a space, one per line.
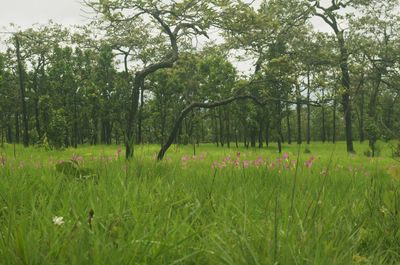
210, 105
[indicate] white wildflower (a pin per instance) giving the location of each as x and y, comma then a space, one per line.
58, 220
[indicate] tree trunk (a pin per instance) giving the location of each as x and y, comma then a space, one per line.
36, 104
362, 116
22, 89
372, 110
139, 81
221, 127
298, 112
288, 124
140, 117
346, 93
334, 116
279, 146
267, 132
253, 137
75, 134
323, 120
9, 133
308, 107
228, 128
215, 125
260, 133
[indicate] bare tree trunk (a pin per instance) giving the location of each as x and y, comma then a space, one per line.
288, 124
298, 112
22, 89
334, 116
221, 127
140, 117
228, 133
17, 130
362, 116
308, 107
323, 119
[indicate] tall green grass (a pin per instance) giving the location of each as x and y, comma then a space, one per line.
192, 212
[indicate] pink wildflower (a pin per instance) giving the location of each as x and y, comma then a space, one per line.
323, 172
119, 150
124, 167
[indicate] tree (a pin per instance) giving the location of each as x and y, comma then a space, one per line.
332, 17
175, 20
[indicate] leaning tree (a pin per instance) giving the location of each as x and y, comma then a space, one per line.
174, 23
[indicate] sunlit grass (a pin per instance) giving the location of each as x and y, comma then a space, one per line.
181, 211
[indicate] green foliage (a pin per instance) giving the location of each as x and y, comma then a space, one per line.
73, 169
57, 129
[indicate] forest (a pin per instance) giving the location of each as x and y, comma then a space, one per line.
163, 72
203, 132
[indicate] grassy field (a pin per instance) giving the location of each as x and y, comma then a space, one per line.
222, 206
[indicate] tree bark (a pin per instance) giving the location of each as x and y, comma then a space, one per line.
16, 128
22, 89
298, 112
288, 124
330, 19
323, 138
308, 107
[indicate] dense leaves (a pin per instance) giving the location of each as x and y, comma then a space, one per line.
143, 71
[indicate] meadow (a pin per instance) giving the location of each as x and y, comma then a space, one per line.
309, 205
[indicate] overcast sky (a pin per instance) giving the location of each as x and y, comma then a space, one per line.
24, 13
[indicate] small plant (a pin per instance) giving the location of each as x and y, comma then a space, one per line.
73, 169
367, 153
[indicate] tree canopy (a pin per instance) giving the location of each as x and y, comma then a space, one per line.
166, 72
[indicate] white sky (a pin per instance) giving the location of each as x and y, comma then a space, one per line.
25, 13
